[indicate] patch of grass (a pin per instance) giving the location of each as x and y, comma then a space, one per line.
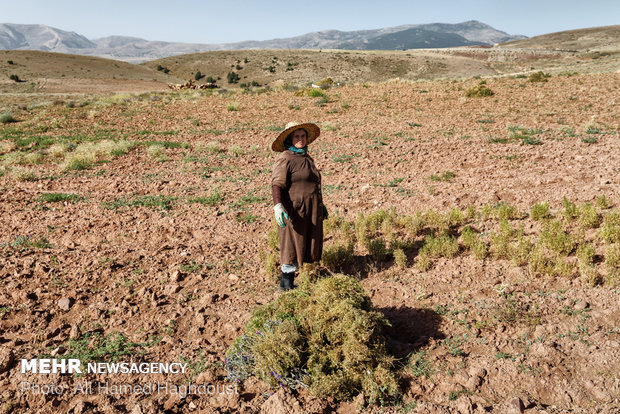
213, 199
445, 176
23, 174
247, 218
525, 135
236, 150
111, 347
25, 242
420, 365
59, 197
540, 262
233, 107
190, 267
344, 158
87, 154
166, 144
156, 151
153, 202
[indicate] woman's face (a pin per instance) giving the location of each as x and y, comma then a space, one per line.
299, 138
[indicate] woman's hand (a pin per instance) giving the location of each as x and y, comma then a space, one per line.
280, 214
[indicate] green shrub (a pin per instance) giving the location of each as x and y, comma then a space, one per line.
479, 91
539, 76
588, 216
443, 246
378, 250
338, 257
539, 211
555, 238
14, 78
472, 241
519, 251
6, 118
400, 258
610, 230
233, 106
570, 209
315, 93
59, 197
325, 336
233, 77
612, 263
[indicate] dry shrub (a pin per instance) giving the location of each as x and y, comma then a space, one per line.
57, 150
6, 146
585, 263
338, 257
86, 154
325, 336
479, 91
588, 216
22, 174
519, 251
540, 211
610, 230
551, 264
472, 241
612, 263
556, 239
156, 151
570, 209
400, 258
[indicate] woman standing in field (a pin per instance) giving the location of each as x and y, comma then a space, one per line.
297, 198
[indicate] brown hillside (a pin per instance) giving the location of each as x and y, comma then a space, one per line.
304, 66
55, 72
601, 39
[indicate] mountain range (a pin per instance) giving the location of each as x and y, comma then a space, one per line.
136, 50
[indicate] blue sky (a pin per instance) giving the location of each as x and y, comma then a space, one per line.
222, 22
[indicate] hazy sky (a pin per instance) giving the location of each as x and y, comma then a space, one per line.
223, 22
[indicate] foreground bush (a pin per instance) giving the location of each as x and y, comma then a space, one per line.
324, 336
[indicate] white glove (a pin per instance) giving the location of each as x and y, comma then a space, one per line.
280, 214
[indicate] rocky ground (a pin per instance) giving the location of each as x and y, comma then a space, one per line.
162, 245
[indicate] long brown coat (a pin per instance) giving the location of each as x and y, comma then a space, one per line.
301, 240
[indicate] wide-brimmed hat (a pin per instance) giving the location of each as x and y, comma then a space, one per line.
312, 130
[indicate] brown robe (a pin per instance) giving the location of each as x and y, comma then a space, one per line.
296, 183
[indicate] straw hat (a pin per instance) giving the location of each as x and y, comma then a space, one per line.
312, 130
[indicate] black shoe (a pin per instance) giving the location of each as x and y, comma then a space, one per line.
286, 281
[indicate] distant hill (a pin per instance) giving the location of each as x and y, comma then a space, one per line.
600, 39
33, 64
131, 49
